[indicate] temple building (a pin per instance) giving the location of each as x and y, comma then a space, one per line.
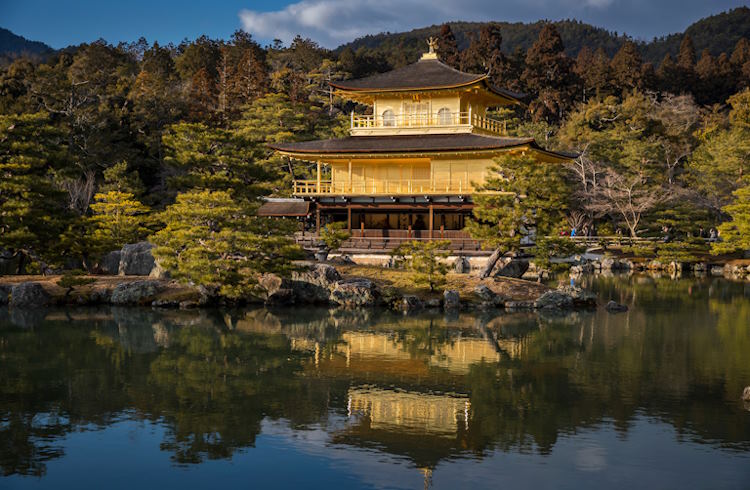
409, 169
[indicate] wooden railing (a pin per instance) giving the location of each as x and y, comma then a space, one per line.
428, 120
385, 187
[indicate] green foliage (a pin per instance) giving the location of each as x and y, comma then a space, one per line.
333, 235
735, 234
212, 241
423, 259
554, 246
117, 218
119, 178
33, 212
521, 195
682, 251
73, 279
215, 159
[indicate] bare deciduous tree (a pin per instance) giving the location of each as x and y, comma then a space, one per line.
628, 196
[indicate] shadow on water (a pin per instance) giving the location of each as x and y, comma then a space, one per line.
427, 387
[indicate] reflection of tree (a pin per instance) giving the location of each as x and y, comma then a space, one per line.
678, 355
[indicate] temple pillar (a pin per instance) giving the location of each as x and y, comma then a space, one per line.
432, 214
318, 179
349, 219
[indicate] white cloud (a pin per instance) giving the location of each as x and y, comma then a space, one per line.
333, 22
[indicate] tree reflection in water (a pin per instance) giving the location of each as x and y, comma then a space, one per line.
426, 387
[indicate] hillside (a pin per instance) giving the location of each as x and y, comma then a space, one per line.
718, 33
12, 46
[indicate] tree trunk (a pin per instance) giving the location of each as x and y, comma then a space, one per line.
491, 261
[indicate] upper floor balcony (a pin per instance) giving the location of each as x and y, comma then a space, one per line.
441, 122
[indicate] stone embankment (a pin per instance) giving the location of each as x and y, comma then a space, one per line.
316, 284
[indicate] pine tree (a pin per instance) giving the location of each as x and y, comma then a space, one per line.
211, 240
448, 47
119, 178
33, 211
735, 234
524, 196
426, 261
549, 76
117, 218
214, 159
594, 71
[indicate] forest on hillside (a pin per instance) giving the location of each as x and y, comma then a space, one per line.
102, 145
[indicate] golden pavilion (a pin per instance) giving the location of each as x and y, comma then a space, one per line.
409, 169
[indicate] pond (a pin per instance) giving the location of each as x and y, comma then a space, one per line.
314, 398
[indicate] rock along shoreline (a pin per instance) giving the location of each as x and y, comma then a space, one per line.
315, 284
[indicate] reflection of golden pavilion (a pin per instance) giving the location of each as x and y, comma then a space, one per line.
424, 413
456, 356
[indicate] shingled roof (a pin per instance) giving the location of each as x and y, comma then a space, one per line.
422, 143
424, 74
284, 207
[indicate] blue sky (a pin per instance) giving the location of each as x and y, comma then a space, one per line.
330, 22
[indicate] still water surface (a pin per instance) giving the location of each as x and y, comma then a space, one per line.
140, 398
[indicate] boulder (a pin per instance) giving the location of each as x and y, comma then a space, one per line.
355, 292
655, 265
677, 267
276, 289
582, 269
485, 294
746, 394
135, 292
4, 294
511, 267
579, 296
323, 275
136, 259
734, 270
461, 265
700, 267
8, 262
29, 294
609, 264
716, 270
110, 263
433, 303
615, 307
410, 303
451, 299
159, 272
307, 287
557, 300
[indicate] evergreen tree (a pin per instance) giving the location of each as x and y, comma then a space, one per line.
626, 67
686, 66
668, 75
213, 159
117, 218
594, 71
119, 178
426, 261
448, 47
525, 197
211, 240
485, 54
735, 233
33, 211
549, 76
